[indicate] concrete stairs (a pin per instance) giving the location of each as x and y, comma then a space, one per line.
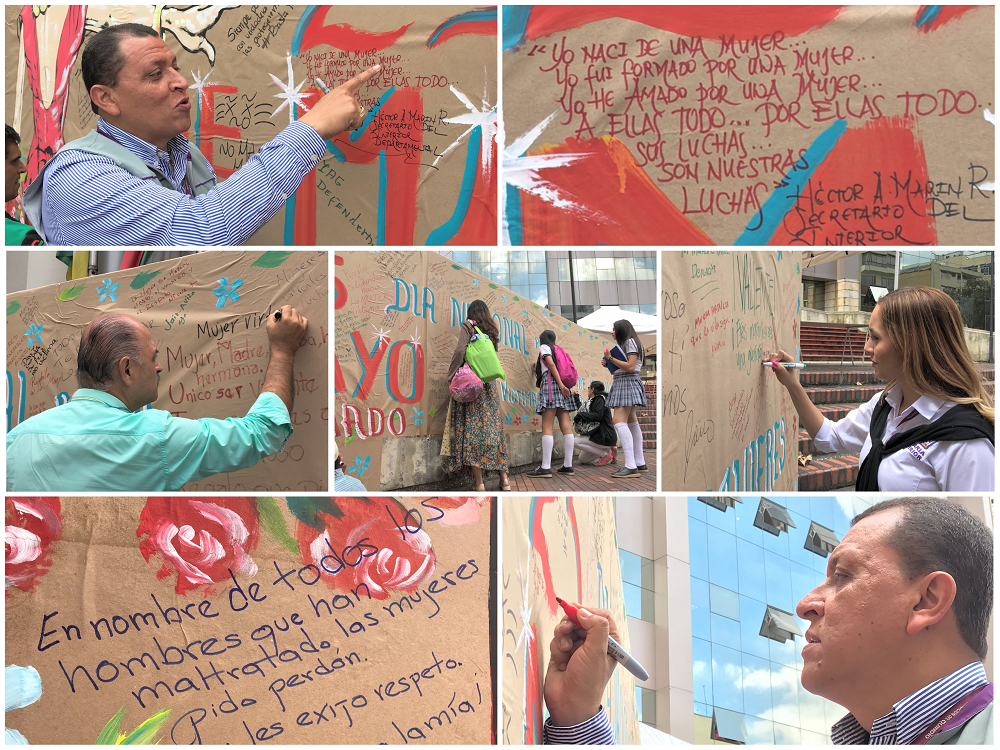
836, 391
832, 342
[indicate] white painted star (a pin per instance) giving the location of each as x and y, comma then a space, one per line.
415, 338
525, 608
290, 93
523, 173
486, 118
200, 84
380, 334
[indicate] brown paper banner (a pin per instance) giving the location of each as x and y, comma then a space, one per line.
397, 316
727, 424
253, 620
206, 313
566, 547
252, 69
750, 124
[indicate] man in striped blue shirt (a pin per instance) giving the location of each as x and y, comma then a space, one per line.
578, 672
898, 630
136, 180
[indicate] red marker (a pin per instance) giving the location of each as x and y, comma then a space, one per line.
615, 650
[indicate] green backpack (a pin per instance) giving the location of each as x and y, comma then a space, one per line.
482, 358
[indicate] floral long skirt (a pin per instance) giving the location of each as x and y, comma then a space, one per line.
476, 434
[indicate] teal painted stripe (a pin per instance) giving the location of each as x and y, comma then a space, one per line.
931, 12
515, 21
300, 29
450, 228
514, 226
335, 151
783, 198
355, 134
485, 14
382, 180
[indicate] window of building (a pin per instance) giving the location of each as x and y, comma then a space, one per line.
729, 726
605, 269
772, 518
645, 268
625, 269
645, 701
720, 503
637, 583
820, 540
585, 269
779, 625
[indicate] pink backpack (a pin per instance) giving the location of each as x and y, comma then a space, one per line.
564, 366
466, 386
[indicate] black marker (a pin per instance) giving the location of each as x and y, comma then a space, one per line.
277, 315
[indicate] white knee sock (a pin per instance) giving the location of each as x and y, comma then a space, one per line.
625, 435
546, 451
637, 443
568, 447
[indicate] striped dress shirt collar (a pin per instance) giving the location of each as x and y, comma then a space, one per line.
914, 713
179, 147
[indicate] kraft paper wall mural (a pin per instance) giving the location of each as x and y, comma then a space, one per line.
207, 314
728, 425
565, 547
422, 169
749, 125
397, 317
247, 620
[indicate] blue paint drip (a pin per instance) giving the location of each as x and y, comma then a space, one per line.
355, 134
929, 15
450, 228
783, 198
515, 226
335, 151
197, 122
382, 180
300, 29
515, 21
484, 14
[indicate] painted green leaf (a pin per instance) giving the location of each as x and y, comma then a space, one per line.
534, 307
109, 735
456, 266
71, 292
143, 278
145, 733
432, 411
306, 509
493, 286
13, 307
271, 259
517, 299
349, 439
273, 523
797, 268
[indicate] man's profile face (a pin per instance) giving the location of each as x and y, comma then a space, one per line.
14, 168
858, 614
151, 94
147, 375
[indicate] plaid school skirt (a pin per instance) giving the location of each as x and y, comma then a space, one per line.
627, 390
550, 397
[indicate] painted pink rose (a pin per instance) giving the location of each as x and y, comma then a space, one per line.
201, 539
31, 525
370, 544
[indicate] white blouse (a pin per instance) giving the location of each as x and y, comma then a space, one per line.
950, 466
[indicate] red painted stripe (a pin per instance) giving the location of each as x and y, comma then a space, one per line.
737, 21
343, 36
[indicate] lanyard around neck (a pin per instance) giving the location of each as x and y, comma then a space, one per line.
955, 716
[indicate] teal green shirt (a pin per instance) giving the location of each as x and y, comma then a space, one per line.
94, 443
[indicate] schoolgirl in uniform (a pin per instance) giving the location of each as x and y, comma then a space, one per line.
626, 396
555, 400
931, 429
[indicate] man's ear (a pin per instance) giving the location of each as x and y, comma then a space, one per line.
936, 593
104, 98
125, 371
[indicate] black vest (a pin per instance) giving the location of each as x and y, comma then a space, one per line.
961, 422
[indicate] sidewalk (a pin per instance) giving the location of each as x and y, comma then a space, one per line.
587, 479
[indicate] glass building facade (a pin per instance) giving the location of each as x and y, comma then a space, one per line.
625, 278
746, 581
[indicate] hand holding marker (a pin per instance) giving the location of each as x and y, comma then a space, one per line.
786, 365
615, 650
